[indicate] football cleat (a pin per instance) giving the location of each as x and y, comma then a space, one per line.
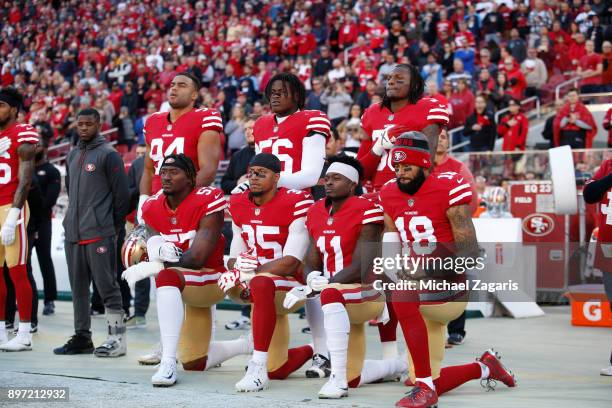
110, 348
421, 396
333, 389
152, 358
165, 375
497, 371
606, 371
18, 343
320, 368
255, 379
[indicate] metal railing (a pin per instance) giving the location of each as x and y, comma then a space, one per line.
500, 112
346, 54
573, 81
64, 148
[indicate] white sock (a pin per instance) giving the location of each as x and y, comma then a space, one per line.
170, 314
375, 370
428, 381
337, 328
314, 316
24, 330
3, 336
485, 371
260, 357
389, 349
213, 319
220, 351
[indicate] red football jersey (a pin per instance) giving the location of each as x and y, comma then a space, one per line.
604, 207
284, 139
166, 138
19, 134
181, 225
265, 228
377, 119
421, 218
336, 236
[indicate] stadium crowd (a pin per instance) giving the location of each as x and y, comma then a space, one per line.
477, 57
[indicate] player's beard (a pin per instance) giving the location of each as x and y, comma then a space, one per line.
413, 186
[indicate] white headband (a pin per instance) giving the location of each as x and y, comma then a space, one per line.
347, 171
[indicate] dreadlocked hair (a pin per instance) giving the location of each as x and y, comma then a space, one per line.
416, 89
293, 83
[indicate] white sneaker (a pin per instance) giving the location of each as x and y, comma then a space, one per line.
152, 358
333, 389
606, 371
18, 343
255, 379
165, 375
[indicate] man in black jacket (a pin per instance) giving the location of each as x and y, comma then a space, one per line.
49, 181
239, 162
97, 206
143, 287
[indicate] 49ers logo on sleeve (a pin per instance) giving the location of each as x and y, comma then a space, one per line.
538, 225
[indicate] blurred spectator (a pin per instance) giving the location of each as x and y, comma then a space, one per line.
480, 127
577, 50
130, 100
548, 131
607, 125
517, 46
516, 79
229, 84
364, 99
590, 69
234, 130
462, 102
313, 100
337, 73
574, 125
338, 103
351, 135
459, 73
466, 54
239, 162
513, 127
323, 63
141, 121
539, 17
485, 63
485, 85
125, 126
432, 71
385, 68
535, 73
606, 75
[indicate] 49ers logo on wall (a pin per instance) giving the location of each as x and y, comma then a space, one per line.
538, 225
